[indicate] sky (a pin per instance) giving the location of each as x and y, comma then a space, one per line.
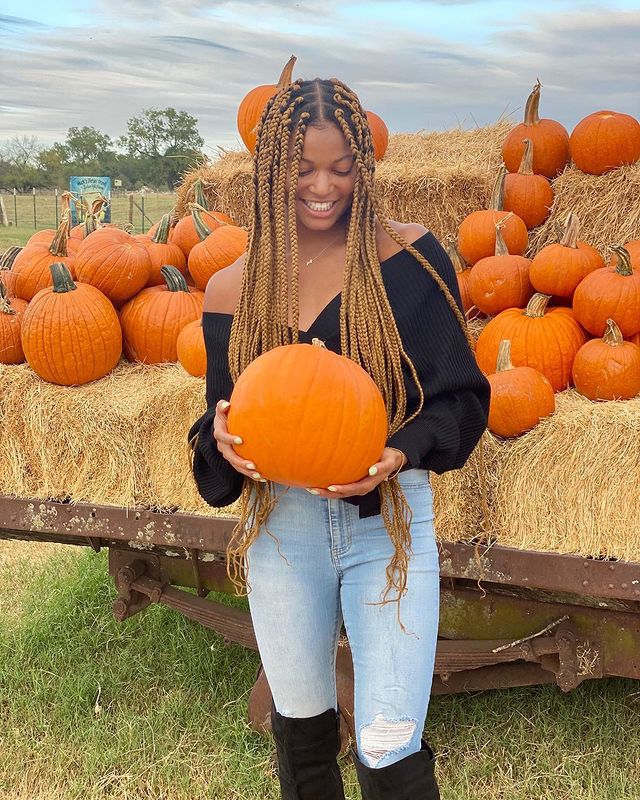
420, 64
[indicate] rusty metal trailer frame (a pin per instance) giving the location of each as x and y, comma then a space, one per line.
508, 617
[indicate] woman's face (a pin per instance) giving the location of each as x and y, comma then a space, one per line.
326, 179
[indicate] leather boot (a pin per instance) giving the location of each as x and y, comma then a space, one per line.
307, 749
411, 778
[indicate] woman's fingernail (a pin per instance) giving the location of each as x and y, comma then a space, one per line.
237, 440
313, 491
373, 470
256, 476
332, 488
249, 465
225, 405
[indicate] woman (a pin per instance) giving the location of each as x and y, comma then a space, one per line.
321, 263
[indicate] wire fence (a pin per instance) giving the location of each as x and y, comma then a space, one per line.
39, 210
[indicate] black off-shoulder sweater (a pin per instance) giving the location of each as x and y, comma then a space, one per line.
456, 394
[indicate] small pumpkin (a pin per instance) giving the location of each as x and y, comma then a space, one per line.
291, 433
162, 251
500, 281
558, 268
254, 102
70, 332
550, 140
152, 320
477, 231
520, 396
119, 267
31, 267
605, 140
542, 338
608, 368
528, 195
217, 249
191, 349
610, 293
379, 134
463, 273
185, 234
11, 310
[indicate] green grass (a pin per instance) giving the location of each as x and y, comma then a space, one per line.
156, 708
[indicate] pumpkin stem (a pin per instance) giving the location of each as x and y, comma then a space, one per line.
202, 229
526, 164
612, 334
92, 220
537, 306
454, 254
199, 197
624, 260
174, 279
62, 280
5, 305
9, 256
161, 235
286, 76
531, 109
570, 232
318, 343
501, 247
497, 195
59, 244
503, 362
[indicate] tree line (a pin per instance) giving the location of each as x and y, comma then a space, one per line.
160, 144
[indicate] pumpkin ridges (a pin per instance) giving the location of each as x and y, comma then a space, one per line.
605, 140
608, 368
191, 349
528, 195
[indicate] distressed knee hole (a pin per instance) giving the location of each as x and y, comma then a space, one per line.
385, 736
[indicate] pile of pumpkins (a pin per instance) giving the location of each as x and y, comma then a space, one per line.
73, 300
564, 317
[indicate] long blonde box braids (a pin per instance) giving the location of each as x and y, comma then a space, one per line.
368, 332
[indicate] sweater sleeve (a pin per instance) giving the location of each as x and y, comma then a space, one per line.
456, 393
218, 482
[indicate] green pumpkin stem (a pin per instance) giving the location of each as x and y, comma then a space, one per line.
503, 362
497, 195
202, 229
623, 266
59, 244
161, 235
199, 197
531, 116
571, 231
174, 279
537, 306
62, 280
526, 164
613, 335
8, 257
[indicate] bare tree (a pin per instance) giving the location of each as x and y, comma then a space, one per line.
21, 151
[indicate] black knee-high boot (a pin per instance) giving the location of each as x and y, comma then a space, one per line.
411, 778
307, 749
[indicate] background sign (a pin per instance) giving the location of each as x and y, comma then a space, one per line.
89, 188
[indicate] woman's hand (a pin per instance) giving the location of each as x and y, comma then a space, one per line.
226, 440
390, 462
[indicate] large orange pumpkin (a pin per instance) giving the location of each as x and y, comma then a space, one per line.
608, 368
308, 417
610, 293
118, 267
11, 310
153, 319
528, 195
550, 140
546, 340
604, 141
31, 267
477, 232
70, 332
191, 349
162, 251
520, 396
217, 249
379, 134
254, 102
558, 268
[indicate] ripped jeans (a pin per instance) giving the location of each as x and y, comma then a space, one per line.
335, 565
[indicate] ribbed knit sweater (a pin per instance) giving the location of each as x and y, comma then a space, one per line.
456, 393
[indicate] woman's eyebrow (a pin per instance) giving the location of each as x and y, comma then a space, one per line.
342, 158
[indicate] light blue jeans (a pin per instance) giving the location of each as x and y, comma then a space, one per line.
334, 564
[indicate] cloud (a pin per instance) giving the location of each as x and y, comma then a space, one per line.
17, 23
194, 41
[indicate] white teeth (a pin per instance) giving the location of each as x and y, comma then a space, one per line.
318, 206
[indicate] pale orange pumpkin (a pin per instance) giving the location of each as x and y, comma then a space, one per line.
550, 140
477, 231
608, 368
291, 433
11, 310
191, 349
520, 396
254, 102
217, 249
528, 195
605, 140
558, 268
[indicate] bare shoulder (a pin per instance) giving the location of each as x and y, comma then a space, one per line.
409, 231
223, 289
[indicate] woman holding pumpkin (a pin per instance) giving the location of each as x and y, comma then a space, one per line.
323, 264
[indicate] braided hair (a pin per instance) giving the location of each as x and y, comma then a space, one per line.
368, 331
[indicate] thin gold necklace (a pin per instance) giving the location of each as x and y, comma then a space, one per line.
324, 249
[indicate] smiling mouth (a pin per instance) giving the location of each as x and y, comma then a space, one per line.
313, 206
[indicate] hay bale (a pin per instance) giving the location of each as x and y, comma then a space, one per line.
570, 485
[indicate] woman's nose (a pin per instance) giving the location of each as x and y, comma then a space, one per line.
321, 184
